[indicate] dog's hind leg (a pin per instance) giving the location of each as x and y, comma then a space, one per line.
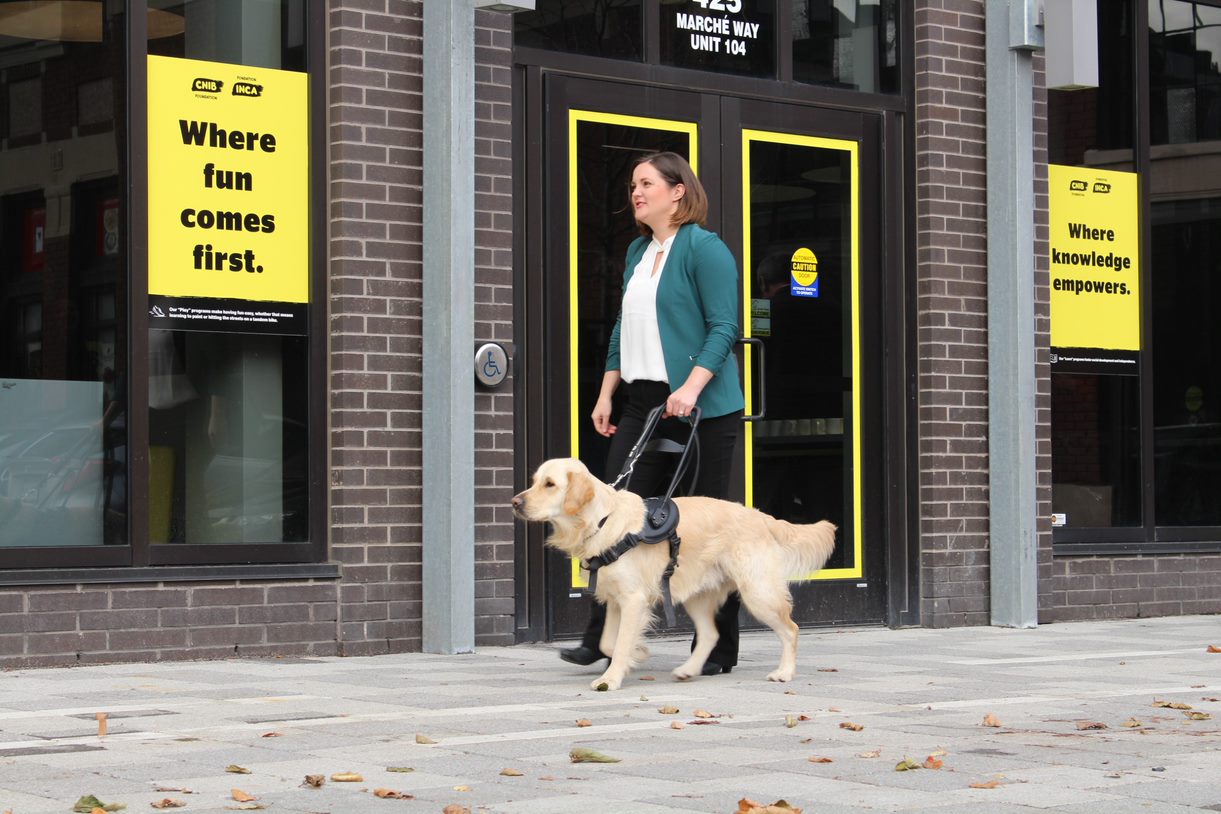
776, 611
633, 618
702, 610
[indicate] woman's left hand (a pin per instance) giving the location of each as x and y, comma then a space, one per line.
681, 401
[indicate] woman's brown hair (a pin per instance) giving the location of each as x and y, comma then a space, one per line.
693, 206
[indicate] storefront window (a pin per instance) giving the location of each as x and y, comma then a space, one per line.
847, 43
1184, 81
605, 28
724, 36
63, 278
1095, 400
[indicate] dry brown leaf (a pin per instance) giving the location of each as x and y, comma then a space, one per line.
168, 802
241, 796
851, 726
233, 768
1131, 723
1212, 648
391, 794
1083, 725
546, 777
648, 678
346, 777
585, 722
834, 709
987, 784
462, 788
1206, 698
272, 735
817, 759
702, 721
454, 808
247, 807
874, 753
677, 724
101, 716
748, 806
507, 772
931, 762
828, 669
179, 789
803, 717
1198, 716
991, 720
403, 769
424, 739
790, 692
314, 780
668, 710
703, 713
1171, 704
938, 753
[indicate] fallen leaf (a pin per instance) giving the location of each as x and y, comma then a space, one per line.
272, 735
1171, 704
391, 794
462, 788
828, 669
101, 718
241, 796
667, 710
585, 722
790, 721
1198, 716
906, 765
346, 777
603, 687
233, 768
1205, 698
748, 806
247, 807
454, 808
874, 753
1083, 725
644, 698
803, 717
168, 802
851, 726
821, 760
938, 753
988, 784
179, 789
648, 678
546, 777
703, 713
834, 709
314, 780
790, 692
424, 739
506, 772
702, 722
1131, 723
1212, 648
88, 803
677, 725
1112, 775
399, 769
991, 720
931, 762
582, 755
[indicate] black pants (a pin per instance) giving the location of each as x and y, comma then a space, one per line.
651, 477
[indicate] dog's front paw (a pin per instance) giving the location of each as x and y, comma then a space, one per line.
605, 683
682, 673
781, 675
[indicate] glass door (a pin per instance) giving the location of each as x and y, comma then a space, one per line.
787, 197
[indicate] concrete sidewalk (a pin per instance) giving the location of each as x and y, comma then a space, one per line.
914, 692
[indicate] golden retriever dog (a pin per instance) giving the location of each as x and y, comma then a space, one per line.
725, 547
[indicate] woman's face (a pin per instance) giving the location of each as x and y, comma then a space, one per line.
653, 199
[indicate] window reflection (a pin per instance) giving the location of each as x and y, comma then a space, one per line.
605, 28
63, 278
1184, 81
847, 43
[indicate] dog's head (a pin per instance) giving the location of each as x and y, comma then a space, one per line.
561, 493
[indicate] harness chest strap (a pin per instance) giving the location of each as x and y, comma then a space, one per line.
668, 532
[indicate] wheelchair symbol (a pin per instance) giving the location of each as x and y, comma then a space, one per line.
490, 369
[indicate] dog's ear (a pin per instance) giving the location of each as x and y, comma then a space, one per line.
580, 492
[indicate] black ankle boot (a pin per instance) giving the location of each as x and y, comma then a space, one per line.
711, 668
581, 655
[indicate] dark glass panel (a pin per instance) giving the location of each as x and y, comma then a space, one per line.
1184, 80
63, 278
1095, 449
847, 43
259, 33
604, 28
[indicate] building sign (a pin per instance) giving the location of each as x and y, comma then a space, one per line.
228, 197
803, 270
1095, 274
729, 36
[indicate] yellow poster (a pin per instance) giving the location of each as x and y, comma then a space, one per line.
1095, 272
228, 178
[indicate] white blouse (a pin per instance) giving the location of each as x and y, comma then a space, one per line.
640, 356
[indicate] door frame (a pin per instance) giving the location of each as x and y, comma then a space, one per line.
885, 171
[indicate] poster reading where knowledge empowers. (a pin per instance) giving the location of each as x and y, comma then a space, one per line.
228, 197
1095, 271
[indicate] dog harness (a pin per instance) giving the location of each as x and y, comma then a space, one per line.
660, 525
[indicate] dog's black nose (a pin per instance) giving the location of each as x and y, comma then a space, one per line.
516, 501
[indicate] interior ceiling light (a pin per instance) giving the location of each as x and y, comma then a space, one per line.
72, 21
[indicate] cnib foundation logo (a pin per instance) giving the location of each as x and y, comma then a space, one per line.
1078, 186
205, 85
247, 89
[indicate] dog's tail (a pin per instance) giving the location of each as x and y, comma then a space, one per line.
808, 547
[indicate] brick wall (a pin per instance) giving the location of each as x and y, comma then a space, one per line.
376, 287
1123, 587
952, 340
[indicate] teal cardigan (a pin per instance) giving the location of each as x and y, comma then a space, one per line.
697, 315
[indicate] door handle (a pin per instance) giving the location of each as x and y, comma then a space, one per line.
758, 343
